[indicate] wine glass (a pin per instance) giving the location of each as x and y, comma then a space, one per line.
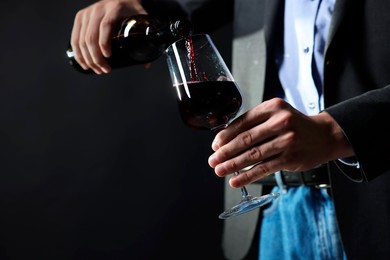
208, 97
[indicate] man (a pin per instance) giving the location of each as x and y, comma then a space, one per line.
348, 138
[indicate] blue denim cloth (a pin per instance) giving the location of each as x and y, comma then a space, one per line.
301, 224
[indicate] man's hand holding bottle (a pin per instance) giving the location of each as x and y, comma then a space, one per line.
93, 30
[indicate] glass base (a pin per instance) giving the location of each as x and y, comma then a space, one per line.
248, 203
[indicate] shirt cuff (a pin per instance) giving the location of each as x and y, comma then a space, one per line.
350, 161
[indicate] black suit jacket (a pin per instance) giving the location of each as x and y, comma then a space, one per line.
357, 94
356, 90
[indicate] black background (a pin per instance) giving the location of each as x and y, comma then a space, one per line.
96, 167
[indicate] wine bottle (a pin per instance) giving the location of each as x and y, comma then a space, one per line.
141, 39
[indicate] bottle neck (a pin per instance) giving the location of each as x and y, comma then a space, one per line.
174, 31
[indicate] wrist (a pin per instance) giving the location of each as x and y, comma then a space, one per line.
341, 147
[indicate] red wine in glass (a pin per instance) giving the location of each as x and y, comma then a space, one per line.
208, 98
210, 105
205, 104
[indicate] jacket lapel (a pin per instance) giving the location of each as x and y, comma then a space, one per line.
272, 18
340, 9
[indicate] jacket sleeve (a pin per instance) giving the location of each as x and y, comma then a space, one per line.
365, 122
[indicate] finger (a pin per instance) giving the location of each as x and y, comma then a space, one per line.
93, 36
114, 13
85, 42
102, 49
270, 121
256, 173
244, 122
106, 33
258, 153
75, 39
247, 141
251, 118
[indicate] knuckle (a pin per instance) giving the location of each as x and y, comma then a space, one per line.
90, 38
284, 122
246, 139
233, 166
261, 170
107, 21
254, 174
274, 103
238, 123
115, 3
290, 137
255, 154
246, 178
287, 118
223, 154
83, 45
79, 15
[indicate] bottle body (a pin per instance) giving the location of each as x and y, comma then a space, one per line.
141, 39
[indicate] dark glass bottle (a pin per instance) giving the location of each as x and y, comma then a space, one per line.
141, 39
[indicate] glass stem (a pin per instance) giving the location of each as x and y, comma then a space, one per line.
244, 192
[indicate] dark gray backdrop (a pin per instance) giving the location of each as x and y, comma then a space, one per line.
96, 167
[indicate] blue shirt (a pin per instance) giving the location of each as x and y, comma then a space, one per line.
301, 68
302, 65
